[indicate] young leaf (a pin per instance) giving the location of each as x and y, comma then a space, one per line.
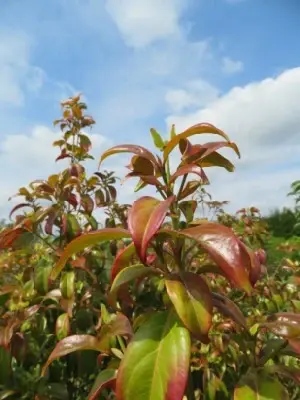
124, 277
105, 379
203, 128
156, 362
192, 300
87, 240
122, 260
157, 139
229, 309
71, 344
189, 169
223, 247
144, 219
62, 326
129, 148
284, 324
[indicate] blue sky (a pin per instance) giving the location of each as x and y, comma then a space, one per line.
143, 63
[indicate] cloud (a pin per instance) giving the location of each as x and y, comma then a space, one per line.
196, 93
144, 22
230, 66
17, 75
263, 118
31, 156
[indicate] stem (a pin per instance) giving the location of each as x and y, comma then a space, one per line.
182, 184
190, 393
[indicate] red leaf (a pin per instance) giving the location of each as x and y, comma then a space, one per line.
144, 219
122, 260
190, 169
129, 148
17, 207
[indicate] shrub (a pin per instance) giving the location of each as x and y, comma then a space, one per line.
145, 307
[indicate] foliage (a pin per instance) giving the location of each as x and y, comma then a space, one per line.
282, 223
157, 303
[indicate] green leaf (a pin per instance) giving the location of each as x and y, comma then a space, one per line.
124, 277
172, 132
192, 300
87, 240
157, 139
106, 378
62, 326
41, 279
259, 386
156, 362
5, 394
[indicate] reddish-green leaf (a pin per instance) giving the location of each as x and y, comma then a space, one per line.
71, 344
192, 300
259, 386
17, 207
188, 208
105, 379
87, 240
119, 325
190, 169
223, 247
122, 260
144, 219
203, 128
229, 309
156, 362
129, 148
125, 276
62, 326
189, 189
284, 324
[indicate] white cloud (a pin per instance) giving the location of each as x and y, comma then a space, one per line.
31, 156
196, 93
230, 66
16, 72
263, 118
144, 22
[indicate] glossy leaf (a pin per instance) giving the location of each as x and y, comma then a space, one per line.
6, 394
122, 260
70, 344
259, 386
119, 325
223, 247
125, 276
284, 324
189, 169
87, 240
129, 148
189, 189
192, 300
197, 153
203, 128
156, 362
188, 208
67, 285
62, 326
41, 279
144, 219
105, 379
229, 309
